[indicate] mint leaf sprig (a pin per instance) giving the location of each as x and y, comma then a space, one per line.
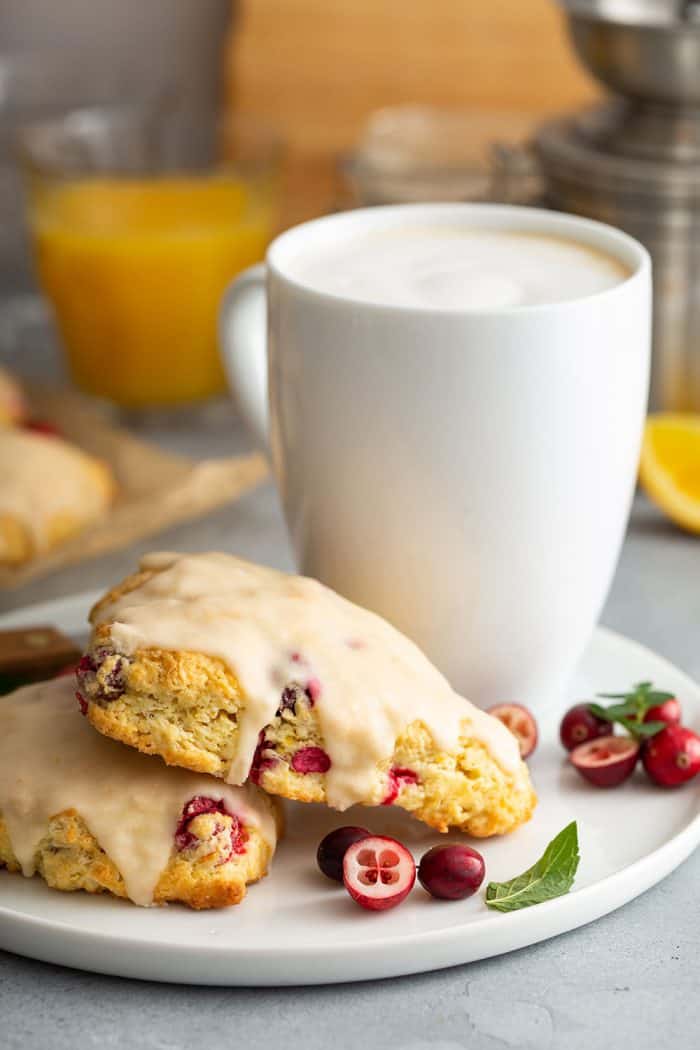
630, 713
551, 876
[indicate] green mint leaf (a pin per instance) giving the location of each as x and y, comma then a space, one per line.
657, 697
637, 693
614, 712
642, 730
599, 711
633, 709
551, 876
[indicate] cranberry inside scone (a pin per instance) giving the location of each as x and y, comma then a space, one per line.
214, 856
327, 702
464, 790
185, 706
181, 706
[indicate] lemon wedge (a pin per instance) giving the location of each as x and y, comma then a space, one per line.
670, 466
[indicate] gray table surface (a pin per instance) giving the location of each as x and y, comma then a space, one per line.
630, 979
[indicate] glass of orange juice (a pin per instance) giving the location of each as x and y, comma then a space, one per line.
139, 218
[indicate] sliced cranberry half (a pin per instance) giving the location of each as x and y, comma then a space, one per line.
579, 724
521, 723
333, 847
378, 872
607, 761
672, 756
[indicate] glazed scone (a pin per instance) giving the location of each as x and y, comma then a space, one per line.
86, 813
49, 491
236, 670
13, 407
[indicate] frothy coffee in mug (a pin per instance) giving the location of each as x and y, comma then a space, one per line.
454, 269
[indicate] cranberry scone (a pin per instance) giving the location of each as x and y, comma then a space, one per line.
49, 491
236, 670
86, 813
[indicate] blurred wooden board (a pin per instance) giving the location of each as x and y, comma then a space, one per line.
319, 67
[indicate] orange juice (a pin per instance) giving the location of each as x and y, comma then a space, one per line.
135, 270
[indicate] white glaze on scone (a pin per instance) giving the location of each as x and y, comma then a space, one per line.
269, 628
51, 761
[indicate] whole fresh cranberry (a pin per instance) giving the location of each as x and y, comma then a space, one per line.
333, 848
451, 872
672, 756
669, 712
579, 725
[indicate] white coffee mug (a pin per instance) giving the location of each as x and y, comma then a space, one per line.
467, 474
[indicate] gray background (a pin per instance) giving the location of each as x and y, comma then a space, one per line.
630, 979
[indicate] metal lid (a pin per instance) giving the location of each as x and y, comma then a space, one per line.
637, 12
570, 149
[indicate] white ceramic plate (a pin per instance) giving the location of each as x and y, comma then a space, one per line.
298, 928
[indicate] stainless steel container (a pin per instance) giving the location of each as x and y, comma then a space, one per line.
144, 44
635, 162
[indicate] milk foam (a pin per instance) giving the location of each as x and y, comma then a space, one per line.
453, 269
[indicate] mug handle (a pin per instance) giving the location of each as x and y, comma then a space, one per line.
243, 343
